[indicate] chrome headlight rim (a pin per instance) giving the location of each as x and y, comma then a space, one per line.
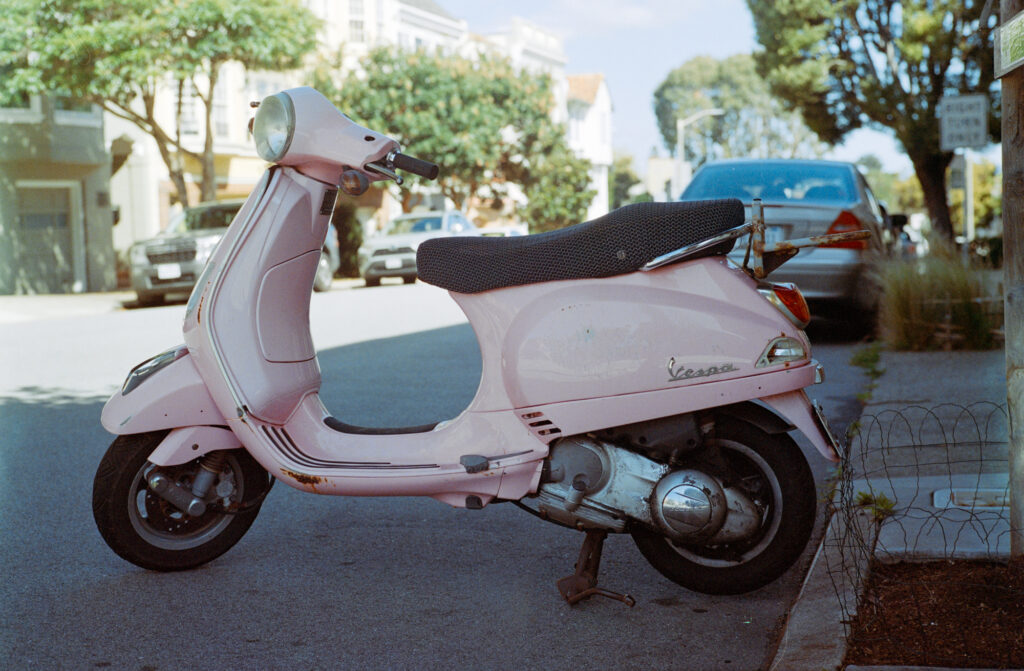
274, 127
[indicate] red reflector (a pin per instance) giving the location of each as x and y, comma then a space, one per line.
791, 297
846, 222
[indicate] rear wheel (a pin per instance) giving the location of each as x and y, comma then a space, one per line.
149, 531
772, 472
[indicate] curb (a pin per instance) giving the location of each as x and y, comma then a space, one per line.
814, 636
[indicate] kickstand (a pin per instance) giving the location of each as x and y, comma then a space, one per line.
583, 584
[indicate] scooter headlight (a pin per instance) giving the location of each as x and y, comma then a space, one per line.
274, 127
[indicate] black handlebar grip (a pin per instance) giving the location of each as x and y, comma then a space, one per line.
416, 166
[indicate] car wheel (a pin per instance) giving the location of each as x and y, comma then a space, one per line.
149, 299
373, 281
324, 276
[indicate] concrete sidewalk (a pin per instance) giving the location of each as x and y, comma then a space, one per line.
933, 441
14, 309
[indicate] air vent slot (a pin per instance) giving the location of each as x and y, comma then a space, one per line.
541, 426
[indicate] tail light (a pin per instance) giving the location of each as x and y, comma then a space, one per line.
846, 222
789, 301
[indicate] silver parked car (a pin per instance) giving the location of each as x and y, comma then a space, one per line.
172, 262
392, 253
803, 198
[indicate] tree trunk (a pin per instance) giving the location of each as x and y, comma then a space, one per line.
1013, 278
930, 169
209, 167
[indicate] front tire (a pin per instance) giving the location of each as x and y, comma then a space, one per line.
773, 472
150, 532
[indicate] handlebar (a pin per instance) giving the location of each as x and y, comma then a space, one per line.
395, 161
414, 165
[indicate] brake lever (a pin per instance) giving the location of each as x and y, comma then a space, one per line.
386, 171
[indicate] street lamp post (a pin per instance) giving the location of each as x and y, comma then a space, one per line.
683, 169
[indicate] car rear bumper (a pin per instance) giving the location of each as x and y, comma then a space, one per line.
148, 279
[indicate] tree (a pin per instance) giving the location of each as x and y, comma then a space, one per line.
754, 123
845, 64
621, 179
121, 55
987, 197
486, 124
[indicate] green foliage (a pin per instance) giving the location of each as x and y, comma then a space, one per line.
350, 236
868, 357
922, 296
621, 178
879, 506
845, 64
754, 123
119, 55
988, 200
486, 124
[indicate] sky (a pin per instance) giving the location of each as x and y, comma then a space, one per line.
636, 44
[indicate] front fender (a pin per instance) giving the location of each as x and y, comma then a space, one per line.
185, 444
173, 396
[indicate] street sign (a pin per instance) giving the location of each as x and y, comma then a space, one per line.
1010, 45
963, 121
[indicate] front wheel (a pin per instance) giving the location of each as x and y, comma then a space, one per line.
773, 473
150, 532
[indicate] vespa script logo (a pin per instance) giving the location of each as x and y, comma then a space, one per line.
684, 372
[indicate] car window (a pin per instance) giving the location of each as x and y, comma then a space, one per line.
776, 182
204, 218
876, 209
459, 224
420, 225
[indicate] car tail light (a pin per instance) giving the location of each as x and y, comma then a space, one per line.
846, 222
787, 298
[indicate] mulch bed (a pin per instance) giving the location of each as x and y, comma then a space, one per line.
956, 614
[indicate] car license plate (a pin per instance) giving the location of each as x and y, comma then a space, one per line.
168, 271
392, 264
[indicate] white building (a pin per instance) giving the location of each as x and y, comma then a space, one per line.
141, 190
590, 133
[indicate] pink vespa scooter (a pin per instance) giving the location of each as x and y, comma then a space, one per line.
634, 380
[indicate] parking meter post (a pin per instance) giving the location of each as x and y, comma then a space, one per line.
1013, 273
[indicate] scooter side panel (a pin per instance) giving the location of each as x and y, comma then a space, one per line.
680, 326
174, 396
585, 415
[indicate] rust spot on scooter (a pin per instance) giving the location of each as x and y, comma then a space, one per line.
303, 479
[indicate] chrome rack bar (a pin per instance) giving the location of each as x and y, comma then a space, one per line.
696, 248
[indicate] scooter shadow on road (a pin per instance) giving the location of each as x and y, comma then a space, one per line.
366, 559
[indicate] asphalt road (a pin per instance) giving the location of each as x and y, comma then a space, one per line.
331, 583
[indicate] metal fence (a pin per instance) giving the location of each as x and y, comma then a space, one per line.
925, 485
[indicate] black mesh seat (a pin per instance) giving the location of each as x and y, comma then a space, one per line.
619, 242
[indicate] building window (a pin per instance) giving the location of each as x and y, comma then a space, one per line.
356, 32
185, 102
69, 111
355, 7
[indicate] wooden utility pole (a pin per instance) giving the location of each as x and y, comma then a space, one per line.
1013, 278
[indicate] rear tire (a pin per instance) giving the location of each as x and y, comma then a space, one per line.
372, 281
772, 471
148, 531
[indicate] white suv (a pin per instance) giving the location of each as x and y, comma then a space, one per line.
392, 253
